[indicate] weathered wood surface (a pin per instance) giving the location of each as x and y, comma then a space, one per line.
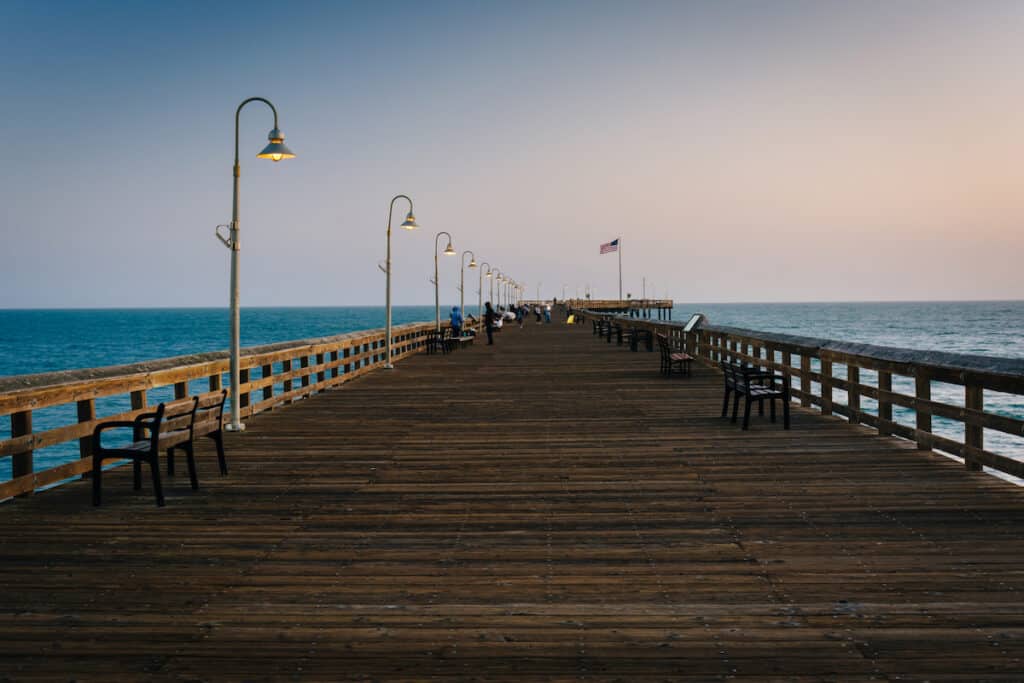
546, 508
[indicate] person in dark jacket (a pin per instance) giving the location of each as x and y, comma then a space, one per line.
489, 316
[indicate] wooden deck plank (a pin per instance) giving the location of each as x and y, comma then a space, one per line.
549, 508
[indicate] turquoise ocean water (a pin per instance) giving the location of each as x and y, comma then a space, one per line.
46, 340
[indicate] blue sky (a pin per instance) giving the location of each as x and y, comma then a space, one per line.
743, 150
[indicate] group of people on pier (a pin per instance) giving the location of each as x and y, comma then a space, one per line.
494, 319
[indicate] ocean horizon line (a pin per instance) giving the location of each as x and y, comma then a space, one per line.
676, 303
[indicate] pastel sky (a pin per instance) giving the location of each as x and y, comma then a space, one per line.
744, 151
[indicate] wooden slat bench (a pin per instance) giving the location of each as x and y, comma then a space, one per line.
172, 426
208, 422
168, 426
671, 358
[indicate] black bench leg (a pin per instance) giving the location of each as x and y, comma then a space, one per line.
137, 474
735, 405
218, 438
746, 413
158, 489
725, 403
760, 408
97, 473
191, 456
773, 410
785, 413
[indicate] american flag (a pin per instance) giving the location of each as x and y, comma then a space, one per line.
609, 247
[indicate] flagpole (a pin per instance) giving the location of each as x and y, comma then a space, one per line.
620, 267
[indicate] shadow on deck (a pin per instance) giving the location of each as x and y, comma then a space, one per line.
549, 507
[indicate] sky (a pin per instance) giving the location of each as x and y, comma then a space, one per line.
743, 151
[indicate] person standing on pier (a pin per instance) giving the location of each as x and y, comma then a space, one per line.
489, 316
456, 320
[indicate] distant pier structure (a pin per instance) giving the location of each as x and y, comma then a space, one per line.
660, 309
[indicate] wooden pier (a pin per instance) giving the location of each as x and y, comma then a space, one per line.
549, 508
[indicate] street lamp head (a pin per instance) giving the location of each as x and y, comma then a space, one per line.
472, 263
449, 250
410, 222
276, 150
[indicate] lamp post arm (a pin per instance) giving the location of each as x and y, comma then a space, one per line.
391, 210
238, 114
438, 236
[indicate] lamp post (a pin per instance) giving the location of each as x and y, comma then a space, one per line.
462, 278
480, 288
275, 151
448, 251
497, 274
409, 224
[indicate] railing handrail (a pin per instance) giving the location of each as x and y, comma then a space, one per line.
1002, 366
974, 372
26, 385
307, 366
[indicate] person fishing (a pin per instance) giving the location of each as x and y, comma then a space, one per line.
456, 321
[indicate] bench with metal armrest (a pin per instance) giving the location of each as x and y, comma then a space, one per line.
172, 426
754, 384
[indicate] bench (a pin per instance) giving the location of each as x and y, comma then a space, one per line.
754, 384
462, 340
173, 425
208, 421
671, 358
436, 342
639, 334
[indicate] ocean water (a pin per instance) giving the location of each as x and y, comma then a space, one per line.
45, 340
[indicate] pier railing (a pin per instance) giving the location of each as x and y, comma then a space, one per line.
842, 378
71, 403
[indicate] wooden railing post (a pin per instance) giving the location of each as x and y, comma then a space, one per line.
321, 375
334, 359
138, 399
884, 404
787, 364
346, 352
923, 392
974, 435
86, 413
243, 399
21, 463
268, 371
286, 367
805, 380
304, 363
853, 392
826, 387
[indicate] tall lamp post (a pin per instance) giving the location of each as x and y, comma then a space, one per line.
409, 224
480, 289
448, 251
462, 278
496, 276
275, 151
